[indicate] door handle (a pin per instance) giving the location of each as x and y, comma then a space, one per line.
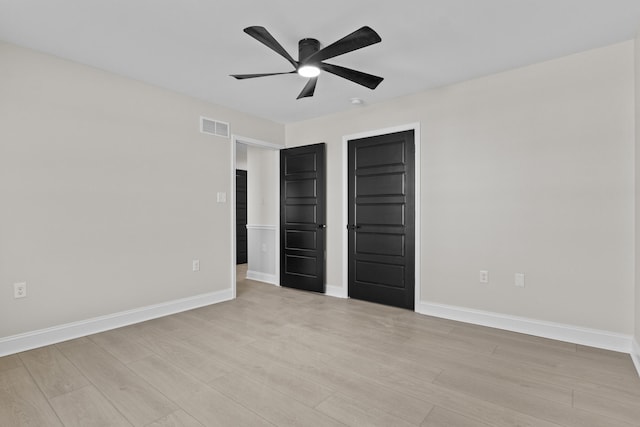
321, 226
352, 227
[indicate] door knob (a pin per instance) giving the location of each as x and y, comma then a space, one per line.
322, 226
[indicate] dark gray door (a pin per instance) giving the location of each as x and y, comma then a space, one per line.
381, 219
241, 216
302, 217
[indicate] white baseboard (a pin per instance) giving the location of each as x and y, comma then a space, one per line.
30, 340
263, 277
557, 331
635, 354
336, 291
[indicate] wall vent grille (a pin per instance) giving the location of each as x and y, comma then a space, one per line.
214, 127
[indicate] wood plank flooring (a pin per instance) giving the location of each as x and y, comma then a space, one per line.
282, 357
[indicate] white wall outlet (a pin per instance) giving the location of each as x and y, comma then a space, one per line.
222, 197
20, 290
195, 265
519, 280
484, 276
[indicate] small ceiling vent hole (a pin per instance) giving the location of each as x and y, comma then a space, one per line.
214, 127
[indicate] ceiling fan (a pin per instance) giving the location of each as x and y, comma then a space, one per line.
310, 57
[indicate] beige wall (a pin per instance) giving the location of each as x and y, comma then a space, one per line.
107, 192
529, 170
241, 156
262, 186
637, 210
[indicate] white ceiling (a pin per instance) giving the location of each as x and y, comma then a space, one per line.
191, 46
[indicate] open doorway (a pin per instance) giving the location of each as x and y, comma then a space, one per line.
259, 162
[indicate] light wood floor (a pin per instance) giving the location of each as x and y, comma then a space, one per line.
282, 357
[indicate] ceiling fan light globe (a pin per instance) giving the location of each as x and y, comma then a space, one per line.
309, 71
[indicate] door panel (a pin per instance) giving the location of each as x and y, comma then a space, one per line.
380, 244
380, 274
300, 214
302, 218
386, 154
381, 219
390, 184
391, 214
300, 163
301, 188
301, 265
301, 240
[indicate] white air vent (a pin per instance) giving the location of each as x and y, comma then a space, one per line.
214, 127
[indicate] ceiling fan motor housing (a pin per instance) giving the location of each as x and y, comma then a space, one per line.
306, 48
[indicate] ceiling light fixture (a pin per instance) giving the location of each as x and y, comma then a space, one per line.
309, 71
356, 101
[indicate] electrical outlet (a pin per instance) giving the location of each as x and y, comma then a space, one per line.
20, 290
519, 280
484, 276
195, 265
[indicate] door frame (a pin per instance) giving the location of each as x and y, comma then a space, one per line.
345, 199
232, 201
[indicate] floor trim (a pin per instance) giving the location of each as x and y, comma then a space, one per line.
557, 331
30, 340
336, 291
258, 276
635, 354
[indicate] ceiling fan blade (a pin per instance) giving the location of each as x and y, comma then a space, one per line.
251, 76
309, 88
364, 79
263, 36
360, 38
